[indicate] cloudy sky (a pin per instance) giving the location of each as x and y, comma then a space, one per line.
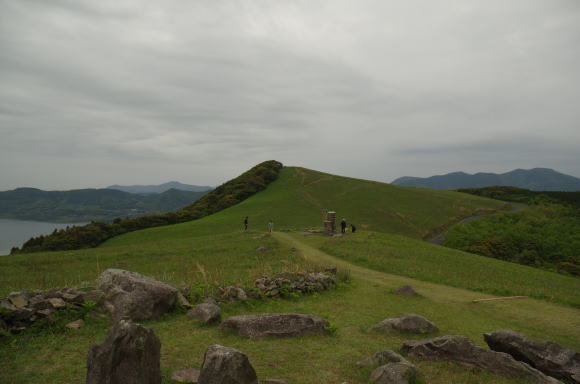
142, 92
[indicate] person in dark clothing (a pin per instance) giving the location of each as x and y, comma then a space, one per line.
246, 223
343, 225
352, 228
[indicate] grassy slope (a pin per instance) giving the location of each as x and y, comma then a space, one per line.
214, 250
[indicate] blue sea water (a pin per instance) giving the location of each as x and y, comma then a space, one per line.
13, 233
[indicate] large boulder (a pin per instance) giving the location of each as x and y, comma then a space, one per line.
208, 313
131, 295
276, 324
462, 350
409, 322
548, 357
394, 373
223, 365
130, 354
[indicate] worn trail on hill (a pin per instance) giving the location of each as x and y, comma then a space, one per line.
537, 312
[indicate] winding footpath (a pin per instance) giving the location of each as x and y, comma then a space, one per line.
440, 238
534, 312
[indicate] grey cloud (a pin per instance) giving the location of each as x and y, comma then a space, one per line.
371, 89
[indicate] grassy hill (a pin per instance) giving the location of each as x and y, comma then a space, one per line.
387, 253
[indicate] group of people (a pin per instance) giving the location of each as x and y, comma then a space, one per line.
271, 225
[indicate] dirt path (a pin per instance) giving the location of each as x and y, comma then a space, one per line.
440, 238
532, 311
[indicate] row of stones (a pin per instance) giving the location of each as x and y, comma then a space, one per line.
20, 309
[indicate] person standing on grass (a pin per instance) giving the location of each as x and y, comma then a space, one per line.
352, 228
270, 226
246, 223
343, 226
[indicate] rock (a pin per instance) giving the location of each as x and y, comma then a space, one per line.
381, 358
19, 299
57, 303
548, 357
39, 302
188, 375
276, 324
7, 305
134, 296
207, 313
210, 300
462, 350
223, 365
44, 312
73, 297
261, 249
233, 293
273, 381
409, 322
394, 373
405, 290
331, 269
94, 295
130, 354
182, 301
77, 324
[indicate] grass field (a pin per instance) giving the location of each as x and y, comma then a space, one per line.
215, 251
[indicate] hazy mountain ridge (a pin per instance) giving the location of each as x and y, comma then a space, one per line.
536, 179
82, 205
160, 188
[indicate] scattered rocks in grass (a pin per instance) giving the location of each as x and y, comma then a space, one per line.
36, 305
381, 358
206, 312
276, 324
405, 290
130, 354
233, 293
394, 373
224, 365
331, 269
409, 322
462, 350
131, 295
284, 284
77, 324
550, 358
188, 375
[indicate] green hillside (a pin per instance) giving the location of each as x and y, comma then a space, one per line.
298, 198
386, 253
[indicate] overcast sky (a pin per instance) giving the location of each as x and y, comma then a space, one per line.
94, 93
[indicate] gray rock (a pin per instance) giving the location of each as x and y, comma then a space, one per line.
207, 313
73, 297
134, 296
381, 358
408, 322
394, 373
39, 302
56, 303
19, 299
462, 350
77, 324
95, 295
548, 357
130, 354
405, 290
233, 293
276, 324
223, 365
210, 300
182, 300
188, 375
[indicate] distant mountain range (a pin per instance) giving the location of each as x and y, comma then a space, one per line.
160, 188
536, 179
83, 205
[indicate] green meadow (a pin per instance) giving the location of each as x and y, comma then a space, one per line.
386, 253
